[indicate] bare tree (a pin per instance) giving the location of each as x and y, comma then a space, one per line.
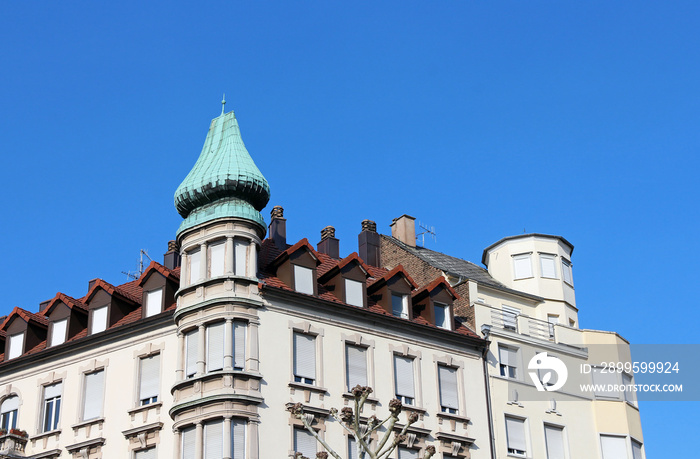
349, 419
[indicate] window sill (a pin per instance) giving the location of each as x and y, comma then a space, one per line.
371, 400
89, 422
140, 409
311, 387
39, 436
455, 417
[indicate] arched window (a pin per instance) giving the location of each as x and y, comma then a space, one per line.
8, 413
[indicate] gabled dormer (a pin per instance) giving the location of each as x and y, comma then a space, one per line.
434, 303
107, 305
392, 292
67, 317
347, 280
158, 285
296, 267
24, 331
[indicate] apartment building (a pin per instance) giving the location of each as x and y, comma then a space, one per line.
200, 356
524, 303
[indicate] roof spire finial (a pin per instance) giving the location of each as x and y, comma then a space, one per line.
223, 104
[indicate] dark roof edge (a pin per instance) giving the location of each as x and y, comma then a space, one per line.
520, 236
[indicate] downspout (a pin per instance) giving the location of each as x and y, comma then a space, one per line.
488, 391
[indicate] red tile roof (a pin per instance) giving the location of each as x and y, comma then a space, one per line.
65, 299
433, 285
26, 316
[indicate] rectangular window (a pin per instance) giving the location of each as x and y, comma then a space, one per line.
405, 453
238, 428
16, 345
355, 366
303, 280
191, 350
241, 249
52, 407
99, 320
546, 376
92, 395
628, 391
403, 380
552, 320
188, 447
566, 271
58, 332
601, 382
442, 316
304, 358
522, 266
510, 317
613, 447
239, 331
636, 450
449, 399
8, 413
354, 293
194, 259
216, 259
554, 439
548, 266
214, 439
149, 379
149, 453
154, 300
508, 361
352, 448
215, 347
515, 433
399, 305
304, 442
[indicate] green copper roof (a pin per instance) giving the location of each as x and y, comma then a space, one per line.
224, 180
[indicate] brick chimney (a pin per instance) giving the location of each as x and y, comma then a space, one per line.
368, 242
329, 244
171, 258
404, 229
278, 227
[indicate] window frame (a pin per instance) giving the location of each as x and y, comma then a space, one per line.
301, 379
8, 418
192, 276
55, 409
562, 431
296, 269
444, 408
106, 319
447, 322
518, 258
11, 349
553, 259
148, 307
404, 314
139, 392
515, 451
507, 365
84, 395
405, 399
567, 271
346, 367
361, 285
53, 332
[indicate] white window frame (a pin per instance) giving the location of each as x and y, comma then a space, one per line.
149, 390
51, 407
307, 438
515, 450
506, 366
404, 305
352, 296
609, 377
190, 364
564, 448
59, 338
405, 398
240, 249
566, 272
194, 261
625, 443
520, 269
448, 405
447, 318
510, 317
93, 390
216, 258
365, 353
16, 342
550, 259
9, 409
299, 374
98, 326
303, 279
154, 302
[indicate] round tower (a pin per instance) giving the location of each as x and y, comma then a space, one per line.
217, 393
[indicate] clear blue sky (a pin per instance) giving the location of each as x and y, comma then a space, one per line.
482, 119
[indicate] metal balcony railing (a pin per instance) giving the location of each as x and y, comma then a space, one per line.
524, 325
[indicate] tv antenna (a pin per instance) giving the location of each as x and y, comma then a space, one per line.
429, 230
133, 275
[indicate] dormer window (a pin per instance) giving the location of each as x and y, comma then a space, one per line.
354, 293
154, 301
399, 305
442, 316
99, 320
303, 280
58, 332
16, 346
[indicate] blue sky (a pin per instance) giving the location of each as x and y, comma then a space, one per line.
482, 119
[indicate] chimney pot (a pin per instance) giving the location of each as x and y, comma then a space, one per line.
91, 283
171, 258
278, 227
329, 244
368, 243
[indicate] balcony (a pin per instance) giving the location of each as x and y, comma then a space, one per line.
528, 326
12, 443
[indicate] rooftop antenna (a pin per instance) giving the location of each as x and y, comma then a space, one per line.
133, 275
430, 230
